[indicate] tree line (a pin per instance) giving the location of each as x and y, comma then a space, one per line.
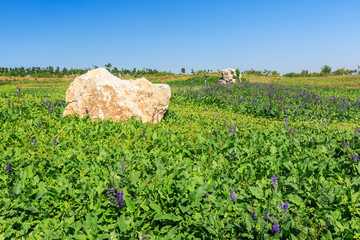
326, 70
60, 72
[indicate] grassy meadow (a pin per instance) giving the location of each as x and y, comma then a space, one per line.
269, 158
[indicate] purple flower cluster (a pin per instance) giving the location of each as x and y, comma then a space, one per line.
356, 158
232, 129
267, 216
274, 181
33, 141
116, 197
344, 144
253, 213
52, 105
207, 194
39, 124
55, 141
123, 165
8, 168
232, 195
285, 207
274, 100
292, 131
275, 227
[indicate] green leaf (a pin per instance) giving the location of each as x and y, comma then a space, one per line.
296, 200
122, 224
130, 204
256, 192
156, 207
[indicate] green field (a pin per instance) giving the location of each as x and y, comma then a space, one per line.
264, 160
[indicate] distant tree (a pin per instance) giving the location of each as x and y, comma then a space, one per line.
108, 66
237, 75
304, 73
115, 71
183, 70
192, 71
275, 73
326, 69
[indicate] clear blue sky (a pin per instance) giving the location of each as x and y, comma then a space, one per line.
168, 35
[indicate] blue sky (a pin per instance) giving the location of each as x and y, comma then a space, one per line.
168, 35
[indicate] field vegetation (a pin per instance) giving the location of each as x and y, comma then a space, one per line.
268, 158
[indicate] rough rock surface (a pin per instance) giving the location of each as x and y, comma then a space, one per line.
228, 76
100, 94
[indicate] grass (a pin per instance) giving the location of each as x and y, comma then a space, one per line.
60, 191
330, 81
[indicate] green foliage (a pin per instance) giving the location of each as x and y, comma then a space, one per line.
237, 75
178, 177
326, 69
274, 100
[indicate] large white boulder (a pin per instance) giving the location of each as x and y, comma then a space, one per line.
99, 94
228, 75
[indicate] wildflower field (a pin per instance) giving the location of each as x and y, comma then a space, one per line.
242, 161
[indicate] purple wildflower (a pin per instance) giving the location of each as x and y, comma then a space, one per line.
8, 168
49, 109
233, 130
18, 91
207, 194
266, 216
52, 105
39, 124
232, 155
285, 207
224, 123
286, 122
144, 135
123, 165
357, 130
9, 103
275, 227
344, 144
116, 197
87, 111
274, 180
253, 213
33, 141
232, 195
144, 237
356, 158
55, 141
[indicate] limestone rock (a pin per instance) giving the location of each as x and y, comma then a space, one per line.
100, 94
228, 76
